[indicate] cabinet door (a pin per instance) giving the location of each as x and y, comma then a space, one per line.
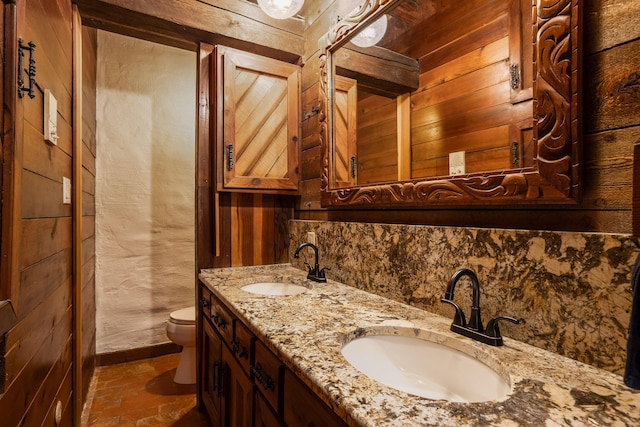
302, 408
257, 123
238, 392
264, 416
346, 129
210, 373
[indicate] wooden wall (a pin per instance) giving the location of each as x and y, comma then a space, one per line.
38, 357
611, 125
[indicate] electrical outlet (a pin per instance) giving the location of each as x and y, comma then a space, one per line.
311, 237
457, 163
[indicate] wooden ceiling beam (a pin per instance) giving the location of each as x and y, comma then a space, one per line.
185, 23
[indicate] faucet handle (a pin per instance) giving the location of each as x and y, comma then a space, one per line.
309, 267
459, 318
321, 271
493, 330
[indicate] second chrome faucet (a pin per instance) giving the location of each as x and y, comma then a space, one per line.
474, 329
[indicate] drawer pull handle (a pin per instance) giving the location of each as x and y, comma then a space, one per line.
239, 349
262, 377
204, 303
219, 321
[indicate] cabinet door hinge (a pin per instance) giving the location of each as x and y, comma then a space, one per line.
515, 153
515, 76
230, 157
354, 165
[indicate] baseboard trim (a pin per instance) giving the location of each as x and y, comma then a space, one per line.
122, 356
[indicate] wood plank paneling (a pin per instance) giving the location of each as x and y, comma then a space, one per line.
38, 354
56, 386
27, 383
615, 100
45, 237
258, 228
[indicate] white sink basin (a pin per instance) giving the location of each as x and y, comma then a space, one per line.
426, 369
273, 288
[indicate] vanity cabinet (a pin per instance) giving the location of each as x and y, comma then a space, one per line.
242, 383
258, 123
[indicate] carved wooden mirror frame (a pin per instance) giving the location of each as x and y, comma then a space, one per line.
555, 176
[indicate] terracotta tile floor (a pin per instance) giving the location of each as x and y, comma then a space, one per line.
141, 393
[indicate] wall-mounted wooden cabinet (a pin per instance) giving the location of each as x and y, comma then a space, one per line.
257, 123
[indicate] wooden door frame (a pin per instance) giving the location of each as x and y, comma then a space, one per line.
76, 216
10, 208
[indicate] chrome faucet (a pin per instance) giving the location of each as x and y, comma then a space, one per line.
315, 273
474, 328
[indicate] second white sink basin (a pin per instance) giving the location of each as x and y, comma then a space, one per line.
274, 288
426, 369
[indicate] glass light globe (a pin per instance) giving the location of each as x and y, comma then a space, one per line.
372, 33
280, 9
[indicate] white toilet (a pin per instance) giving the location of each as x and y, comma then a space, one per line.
181, 329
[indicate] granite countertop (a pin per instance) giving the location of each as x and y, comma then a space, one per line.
307, 332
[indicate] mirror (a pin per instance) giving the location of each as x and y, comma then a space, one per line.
451, 104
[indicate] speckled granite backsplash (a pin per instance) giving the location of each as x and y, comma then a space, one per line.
571, 291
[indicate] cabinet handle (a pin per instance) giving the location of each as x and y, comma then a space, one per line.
239, 349
218, 378
262, 377
203, 302
221, 379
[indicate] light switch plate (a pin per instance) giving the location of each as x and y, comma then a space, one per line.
50, 118
66, 190
457, 164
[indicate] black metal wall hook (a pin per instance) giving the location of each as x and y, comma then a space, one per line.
31, 46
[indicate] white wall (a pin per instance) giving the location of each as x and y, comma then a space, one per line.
146, 105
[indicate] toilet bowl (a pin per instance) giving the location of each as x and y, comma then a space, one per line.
181, 329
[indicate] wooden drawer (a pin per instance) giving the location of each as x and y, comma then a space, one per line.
222, 319
242, 346
205, 301
267, 375
302, 408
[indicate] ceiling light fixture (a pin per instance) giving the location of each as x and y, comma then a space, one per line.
280, 9
372, 33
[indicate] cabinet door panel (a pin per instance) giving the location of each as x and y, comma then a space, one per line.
258, 122
238, 392
211, 363
264, 416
